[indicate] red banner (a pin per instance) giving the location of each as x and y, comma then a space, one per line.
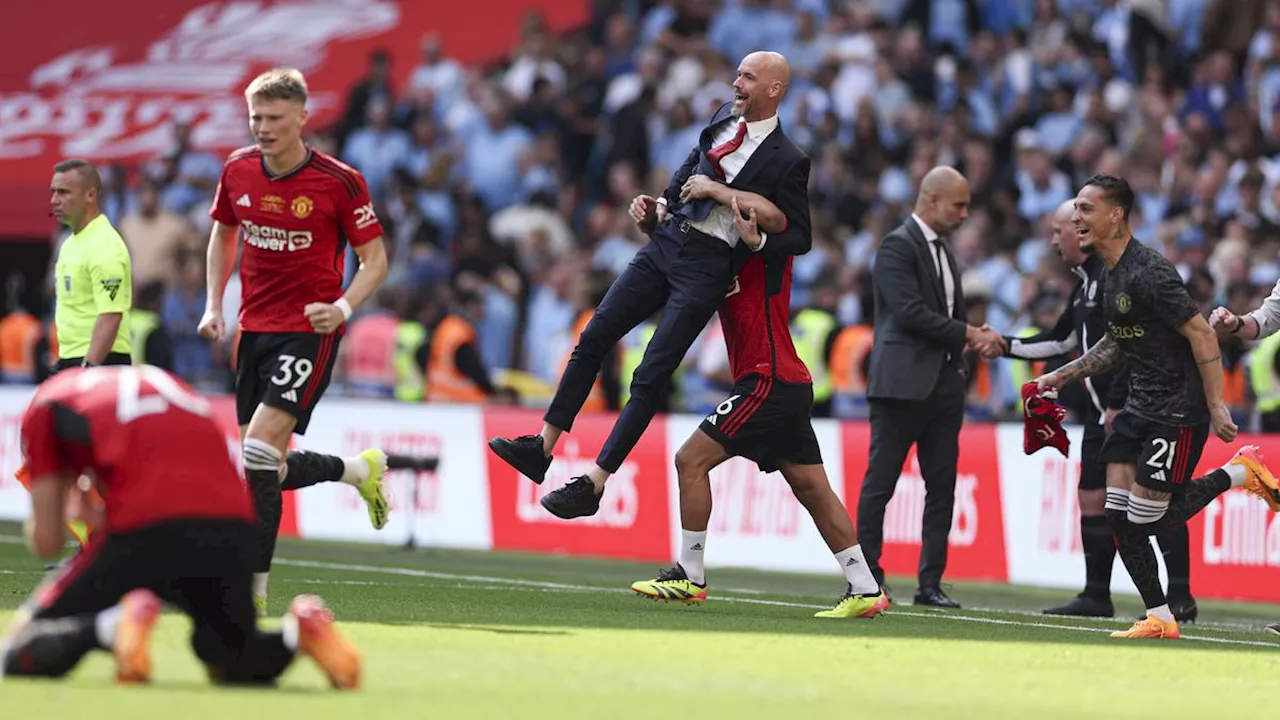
977, 528
634, 517
110, 85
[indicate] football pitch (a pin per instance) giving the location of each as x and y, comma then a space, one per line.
474, 634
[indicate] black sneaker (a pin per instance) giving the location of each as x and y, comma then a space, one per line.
1084, 606
524, 454
1274, 628
1183, 608
577, 499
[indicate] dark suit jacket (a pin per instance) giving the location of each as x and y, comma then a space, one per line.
913, 333
777, 170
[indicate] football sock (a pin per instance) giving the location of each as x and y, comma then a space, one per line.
354, 470
1134, 548
692, 546
104, 625
1237, 473
1099, 555
1199, 492
854, 566
304, 469
1175, 546
262, 469
260, 580
1162, 611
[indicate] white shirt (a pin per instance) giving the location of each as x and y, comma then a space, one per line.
943, 268
719, 222
1268, 315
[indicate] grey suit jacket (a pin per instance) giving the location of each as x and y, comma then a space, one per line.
914, 336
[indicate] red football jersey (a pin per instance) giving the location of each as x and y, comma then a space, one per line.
146, 437
295, 229
755, 317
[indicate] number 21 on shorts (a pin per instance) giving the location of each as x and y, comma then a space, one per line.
1162, 454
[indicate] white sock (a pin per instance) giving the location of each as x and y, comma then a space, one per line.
854, 565
104, 626
1162, 612
1144, 512
355, 470
1117, 499
1238, 474
289, 631
692, 546
260, 584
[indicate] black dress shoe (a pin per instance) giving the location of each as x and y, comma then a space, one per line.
524, 454
1084, 606
934, 597
577, 499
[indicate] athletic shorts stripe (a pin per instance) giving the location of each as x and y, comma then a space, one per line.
323, 357
57, 586
753, 403
734, 411
1182, 455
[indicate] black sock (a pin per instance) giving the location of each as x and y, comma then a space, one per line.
1183, 507
51, 648
265, 487
1134, 548
1175, 545
308, 468
1099, 555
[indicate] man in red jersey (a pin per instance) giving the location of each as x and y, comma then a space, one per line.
766, 418
296, 208
177, 526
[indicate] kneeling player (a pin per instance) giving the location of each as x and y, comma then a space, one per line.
766, 418
178, 527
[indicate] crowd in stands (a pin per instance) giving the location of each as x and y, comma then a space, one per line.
504, 188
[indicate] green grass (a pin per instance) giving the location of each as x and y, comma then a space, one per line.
469, 634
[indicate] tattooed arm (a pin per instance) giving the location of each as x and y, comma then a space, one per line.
1101, 358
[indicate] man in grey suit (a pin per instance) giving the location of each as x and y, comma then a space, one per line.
916, 383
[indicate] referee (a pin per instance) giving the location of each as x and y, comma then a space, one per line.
93, 274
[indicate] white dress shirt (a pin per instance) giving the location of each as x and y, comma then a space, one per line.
719, 222
1268, 315
939, 263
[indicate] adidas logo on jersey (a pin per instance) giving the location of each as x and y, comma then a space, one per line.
291, 396
244, 201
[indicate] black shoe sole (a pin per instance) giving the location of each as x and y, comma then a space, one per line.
566, 514
499, 446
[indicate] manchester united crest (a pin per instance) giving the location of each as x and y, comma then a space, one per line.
1122, 303
302, 206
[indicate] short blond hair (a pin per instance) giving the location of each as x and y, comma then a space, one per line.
278, 84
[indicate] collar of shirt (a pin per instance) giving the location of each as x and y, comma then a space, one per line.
91, 226
929, 234
760, 128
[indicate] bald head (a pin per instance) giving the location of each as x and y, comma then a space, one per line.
943, 202
762, 80
1063, 213
1063, 237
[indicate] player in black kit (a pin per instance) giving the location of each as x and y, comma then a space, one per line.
1175, 397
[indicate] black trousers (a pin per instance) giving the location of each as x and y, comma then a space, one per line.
933, 426
683, 273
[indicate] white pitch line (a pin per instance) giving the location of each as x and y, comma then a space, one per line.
536, 584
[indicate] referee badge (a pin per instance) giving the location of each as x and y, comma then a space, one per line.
302, 206
66, 282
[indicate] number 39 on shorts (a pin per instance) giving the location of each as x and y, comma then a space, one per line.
293, 369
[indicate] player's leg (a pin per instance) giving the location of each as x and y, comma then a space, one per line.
687, 580
1134, 548
636, 295
1095, 537
265, 444
1175, 546
72, 613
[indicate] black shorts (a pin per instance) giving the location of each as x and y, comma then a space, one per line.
204, 567
287, 371
1165, 456
767, 421
114, 358
1093, 472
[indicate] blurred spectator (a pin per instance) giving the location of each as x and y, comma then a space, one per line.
155, 237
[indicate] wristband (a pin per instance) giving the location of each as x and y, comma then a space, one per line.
344, 306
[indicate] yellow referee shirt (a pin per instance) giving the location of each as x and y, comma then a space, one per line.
94, 276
